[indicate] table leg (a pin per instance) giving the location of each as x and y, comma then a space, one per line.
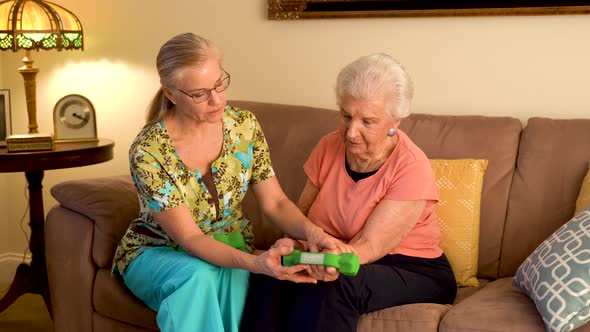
32, 278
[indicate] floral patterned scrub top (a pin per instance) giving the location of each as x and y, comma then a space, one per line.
164, 182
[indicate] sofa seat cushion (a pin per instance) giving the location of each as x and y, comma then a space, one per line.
499, 306
422, 317
113, 300
465, 292
101, 323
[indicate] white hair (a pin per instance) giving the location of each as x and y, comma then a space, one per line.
376, 75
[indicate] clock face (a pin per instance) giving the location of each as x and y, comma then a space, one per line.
74, 114
74, 119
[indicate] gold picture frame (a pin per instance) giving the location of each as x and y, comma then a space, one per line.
310, 9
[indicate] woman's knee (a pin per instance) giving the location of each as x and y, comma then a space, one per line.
197, 271
342, 290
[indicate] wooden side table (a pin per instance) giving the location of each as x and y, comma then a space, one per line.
33, 278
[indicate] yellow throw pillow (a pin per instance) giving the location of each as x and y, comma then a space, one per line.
459, 184
583, 200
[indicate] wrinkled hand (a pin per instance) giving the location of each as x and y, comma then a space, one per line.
287, 242
324, 273
320, 241
318, 272
269, 263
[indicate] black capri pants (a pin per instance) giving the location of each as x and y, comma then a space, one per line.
276, 305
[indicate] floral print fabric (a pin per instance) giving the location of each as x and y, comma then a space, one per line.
164, 182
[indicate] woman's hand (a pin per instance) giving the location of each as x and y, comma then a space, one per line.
320, 241
269, 263
288, 242
324, 273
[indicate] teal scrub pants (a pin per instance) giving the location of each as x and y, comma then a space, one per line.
188, 293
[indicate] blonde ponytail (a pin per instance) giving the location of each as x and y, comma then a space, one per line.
158, 107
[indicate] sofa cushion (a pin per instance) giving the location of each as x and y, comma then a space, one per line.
291, 136
552, 161
475, 137
410, 317
499, 306
465, 292
102, 323
555, 276
459, 185
111, 202
583, 200
113, 300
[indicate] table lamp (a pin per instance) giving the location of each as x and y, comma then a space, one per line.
34, 25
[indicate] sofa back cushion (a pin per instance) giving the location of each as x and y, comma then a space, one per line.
291, 132
552, 161
475, 137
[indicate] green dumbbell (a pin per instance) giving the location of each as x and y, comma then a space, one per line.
234, 239
346, 263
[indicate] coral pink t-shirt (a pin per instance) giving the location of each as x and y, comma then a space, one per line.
343, 206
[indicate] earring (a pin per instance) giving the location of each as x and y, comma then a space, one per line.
391, 132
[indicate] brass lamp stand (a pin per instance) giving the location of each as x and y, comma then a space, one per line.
33, 141
29, 73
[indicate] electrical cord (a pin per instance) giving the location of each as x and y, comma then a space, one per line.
22, 219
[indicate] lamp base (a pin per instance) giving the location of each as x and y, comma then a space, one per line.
29, 142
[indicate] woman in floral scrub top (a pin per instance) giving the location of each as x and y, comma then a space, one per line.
192, 164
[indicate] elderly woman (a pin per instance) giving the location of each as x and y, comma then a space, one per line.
371, 186
192, 164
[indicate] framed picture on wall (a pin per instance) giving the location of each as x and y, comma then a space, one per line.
304, 9
5, 121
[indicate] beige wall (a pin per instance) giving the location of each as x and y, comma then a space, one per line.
510, 66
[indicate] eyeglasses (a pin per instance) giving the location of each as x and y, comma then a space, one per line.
202, 95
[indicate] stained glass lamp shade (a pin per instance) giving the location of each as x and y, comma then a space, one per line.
34, 25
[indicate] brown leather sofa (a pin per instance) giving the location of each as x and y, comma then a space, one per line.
530, 188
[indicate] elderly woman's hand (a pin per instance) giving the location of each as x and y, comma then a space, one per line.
269, 263
324, 273
288, 242
320, 241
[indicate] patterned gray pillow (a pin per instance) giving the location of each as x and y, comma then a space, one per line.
556, 276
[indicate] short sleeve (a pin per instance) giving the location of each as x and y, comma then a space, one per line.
313, 164
262, 165
157, 191
413, 181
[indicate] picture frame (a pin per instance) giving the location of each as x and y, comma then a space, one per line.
309, 9
5, 119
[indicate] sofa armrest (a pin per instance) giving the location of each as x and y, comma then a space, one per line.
70, 270
110, 203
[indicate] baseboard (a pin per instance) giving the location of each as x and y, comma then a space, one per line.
8, 264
